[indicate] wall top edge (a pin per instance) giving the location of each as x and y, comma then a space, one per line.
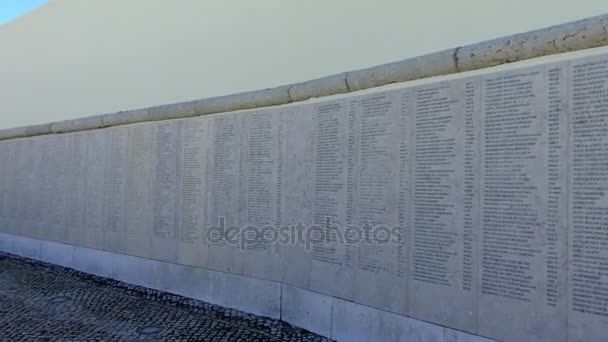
573, 36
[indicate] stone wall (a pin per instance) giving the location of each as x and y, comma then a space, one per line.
496, 182
475, 202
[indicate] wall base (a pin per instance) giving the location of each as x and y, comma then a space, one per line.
324, 315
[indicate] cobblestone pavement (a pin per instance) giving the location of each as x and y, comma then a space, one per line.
41, 302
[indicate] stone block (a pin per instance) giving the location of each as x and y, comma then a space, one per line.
13, 133
80, 124
306, 309
247, 100
452, 335
434, 64
94, 261
185, 281
136, 271
324, 86
354, 322
38, 129
578, 35
125, 117
256, 296
26, 247
57, 253
172, 111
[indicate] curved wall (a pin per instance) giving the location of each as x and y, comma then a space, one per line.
474, 202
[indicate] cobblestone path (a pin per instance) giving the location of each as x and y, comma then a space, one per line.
41, 302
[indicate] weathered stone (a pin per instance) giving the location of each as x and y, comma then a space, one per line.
13, 133
80, 124
434, 64
125, 117
324, 86
38, 129
247, 100
578, 35
172, 111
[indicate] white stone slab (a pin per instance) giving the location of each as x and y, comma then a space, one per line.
354, 322
265, 131
192, 242
332, 262
226, 179
166, 168
588, 214
297, 195
306, 309
57, 253
377, 125
523, 176
115, 183
139, 194
442, 286
452, 335
94, 261
94, 191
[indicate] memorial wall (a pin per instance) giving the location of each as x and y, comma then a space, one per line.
492, 189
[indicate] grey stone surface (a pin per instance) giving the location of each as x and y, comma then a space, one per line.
354, 322
93, 261
306, 309
172, 111
125, 117
583, 34
38, 129
452, 335
324, 86
588, 204
57, 253
13, 133
439, 63
253, 99
80, 124
522, 263
445, 198
298, 190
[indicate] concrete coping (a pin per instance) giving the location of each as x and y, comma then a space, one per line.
578, 35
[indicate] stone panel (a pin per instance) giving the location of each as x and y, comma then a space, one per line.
166, 168
114, 189
4, 179
523, 177
297, 195
139, 194
444, 204
95, 187
588, 189
76, 186
192, 242
332, 262
378, 141
226, 179
264, 183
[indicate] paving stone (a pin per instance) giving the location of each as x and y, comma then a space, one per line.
43, 302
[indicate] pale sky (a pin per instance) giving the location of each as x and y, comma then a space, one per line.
74, 58
12, 9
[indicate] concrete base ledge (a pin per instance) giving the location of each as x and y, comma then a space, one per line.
324, 315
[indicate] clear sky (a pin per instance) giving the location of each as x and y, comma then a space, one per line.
11, 9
